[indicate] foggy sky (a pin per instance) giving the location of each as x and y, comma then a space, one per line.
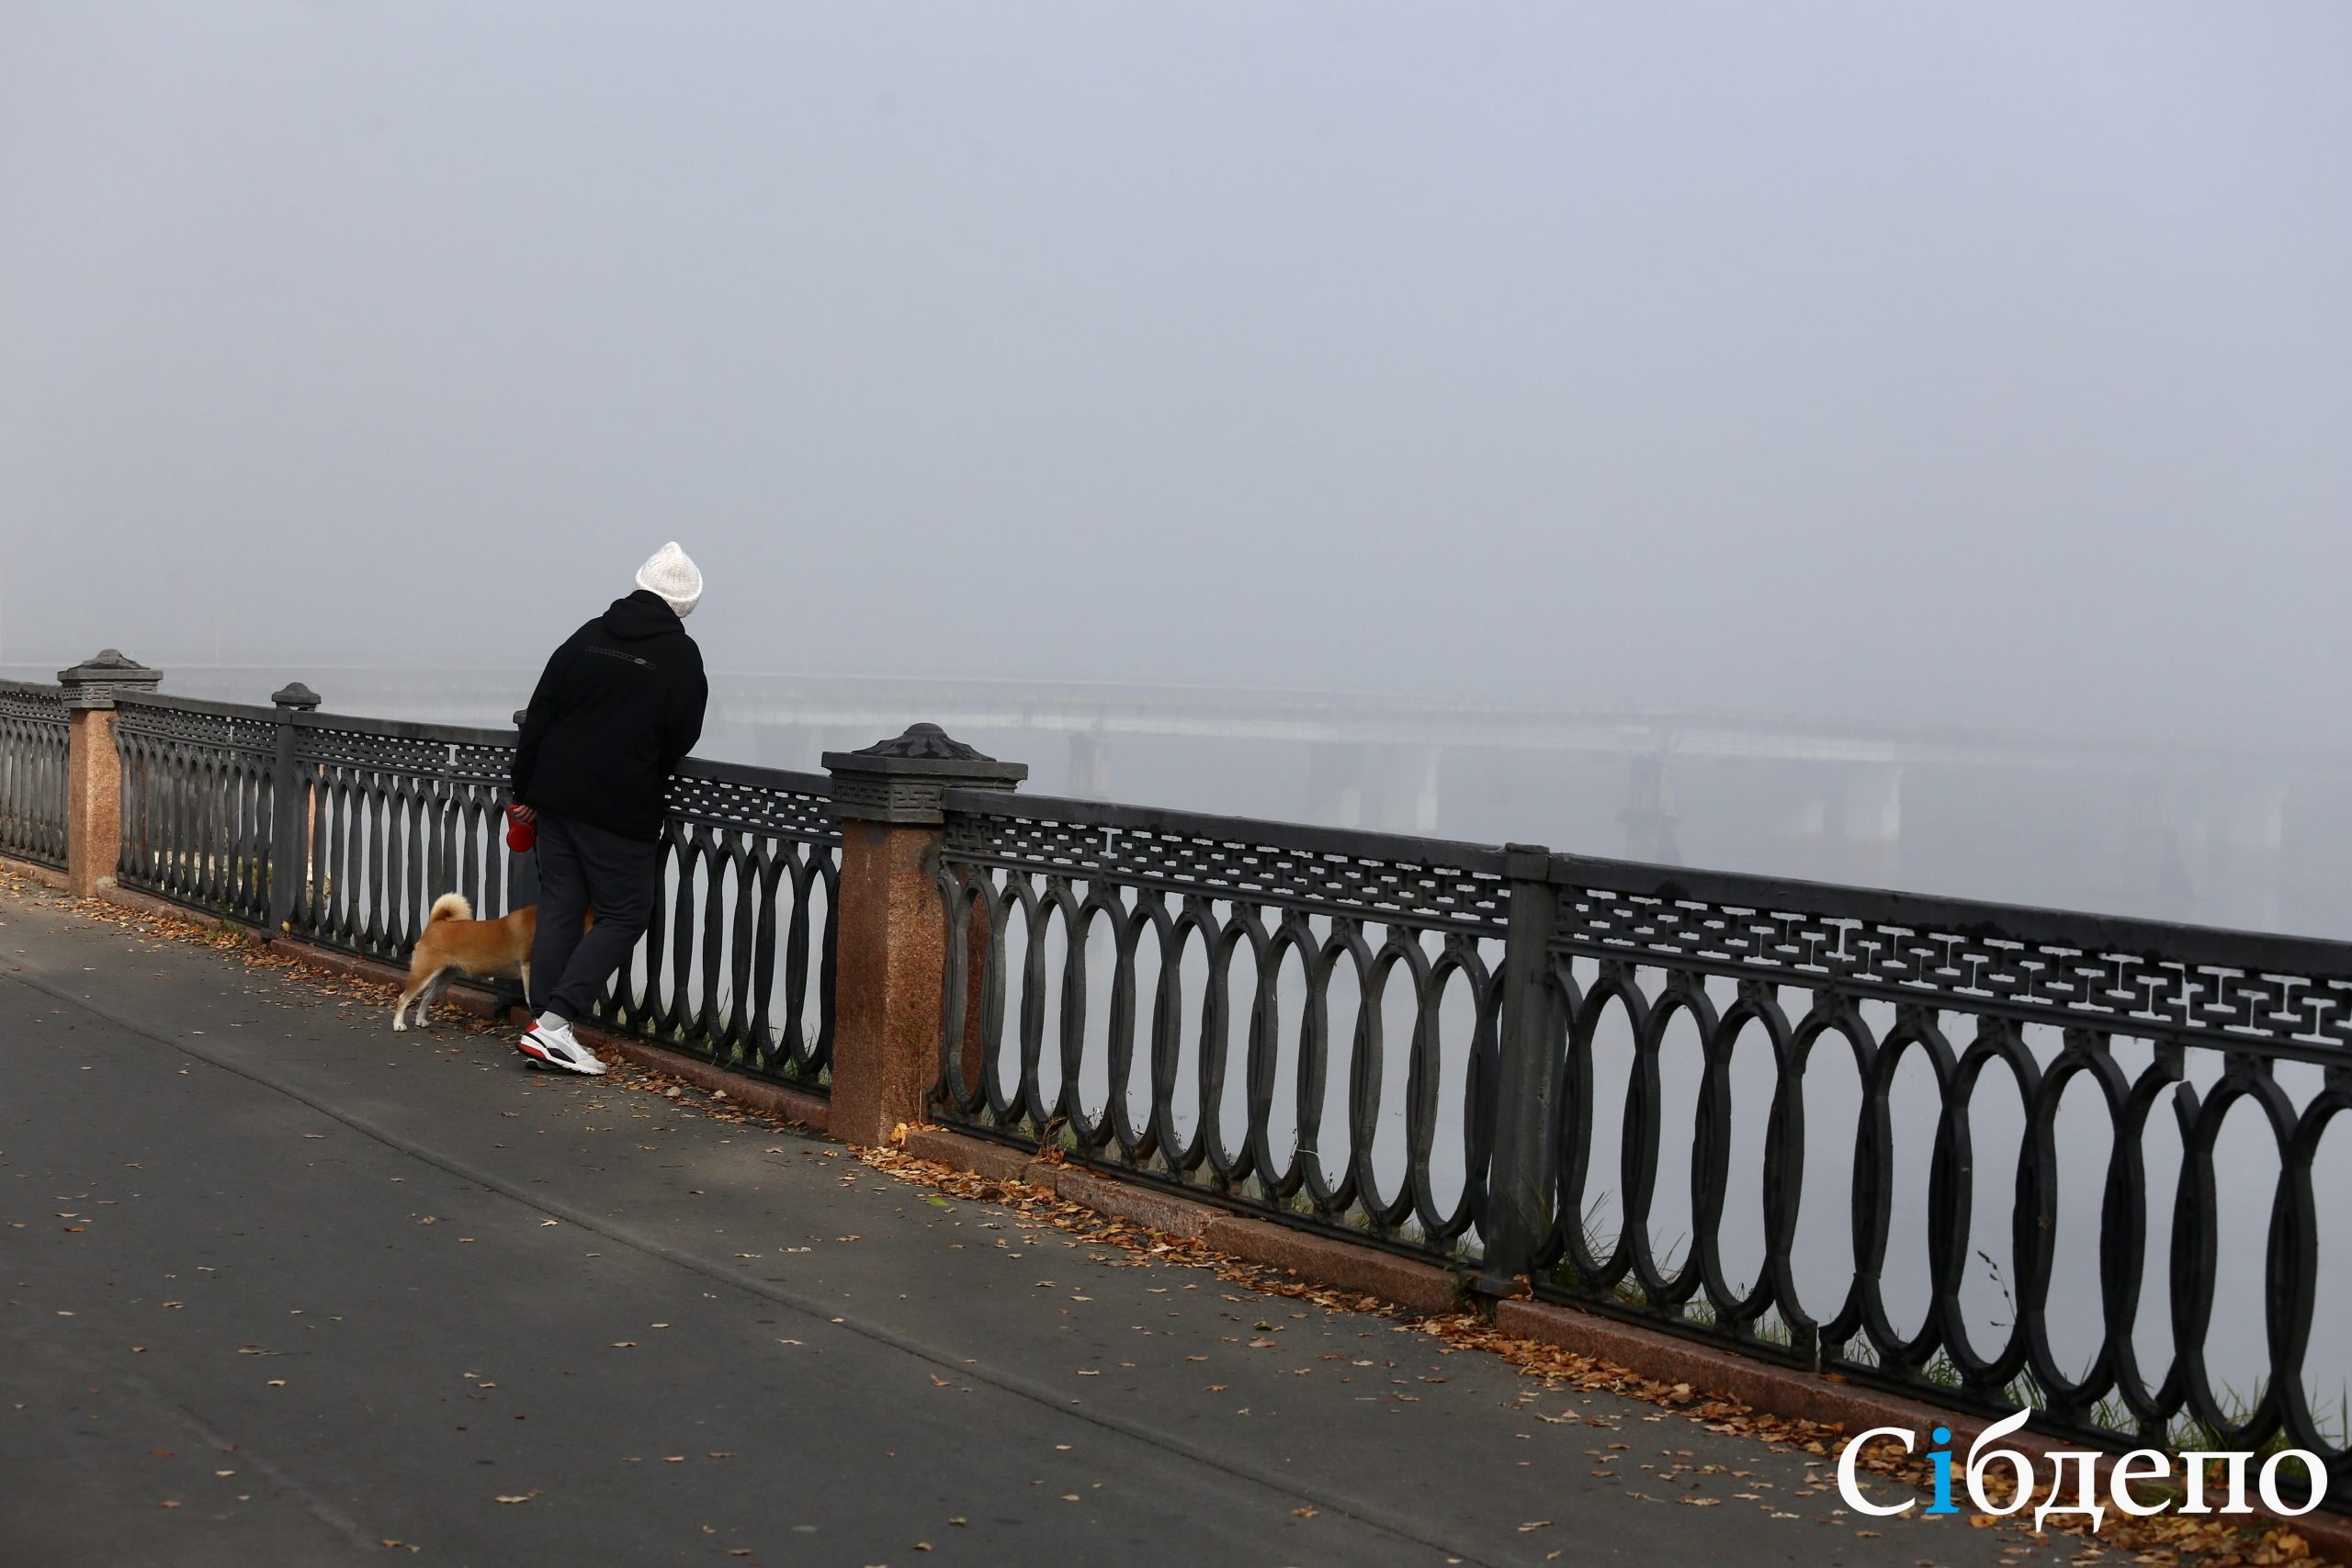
1983, 363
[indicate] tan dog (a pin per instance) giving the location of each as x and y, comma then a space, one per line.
453, 941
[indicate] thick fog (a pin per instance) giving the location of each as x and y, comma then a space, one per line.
1959, 365
1971, 366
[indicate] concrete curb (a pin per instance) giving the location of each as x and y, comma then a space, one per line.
131, 899
795, 1105
109, 892
1324, 1260
33, 871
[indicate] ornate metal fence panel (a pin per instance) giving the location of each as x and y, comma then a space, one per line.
33, 737
738, 965
1297, 1022
197, 796
391, 817
349, 829
1987, 1156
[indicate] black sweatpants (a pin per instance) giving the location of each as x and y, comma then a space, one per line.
583, 866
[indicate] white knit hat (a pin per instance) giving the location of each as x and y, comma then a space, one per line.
675, 577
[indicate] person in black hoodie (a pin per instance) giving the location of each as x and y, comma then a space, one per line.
618, 706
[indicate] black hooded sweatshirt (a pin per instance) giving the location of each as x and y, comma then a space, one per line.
619, 705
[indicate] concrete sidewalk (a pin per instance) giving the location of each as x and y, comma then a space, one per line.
280, 1287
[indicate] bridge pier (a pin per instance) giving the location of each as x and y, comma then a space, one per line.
1089, 765
2153, 873
1334, 784
2245, 856
1389, 789
1649, 811
1409, 802
1849, 828
1865, 835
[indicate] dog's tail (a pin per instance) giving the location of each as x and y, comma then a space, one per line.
450, 907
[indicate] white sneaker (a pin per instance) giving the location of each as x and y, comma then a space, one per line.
554, 1045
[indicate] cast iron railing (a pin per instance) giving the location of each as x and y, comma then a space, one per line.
1905, 1013
1155, 990
1597, 1076
197, 792
343, 831
33, 738
385, 818
742, 968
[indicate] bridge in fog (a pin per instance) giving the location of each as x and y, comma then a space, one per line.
1096, 712
2201, 832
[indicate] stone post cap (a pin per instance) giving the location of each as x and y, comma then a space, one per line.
294, 694
94, 682
901, 780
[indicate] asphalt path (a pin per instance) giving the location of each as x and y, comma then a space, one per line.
280, 1287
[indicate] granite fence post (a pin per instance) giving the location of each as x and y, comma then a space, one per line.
891, 958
